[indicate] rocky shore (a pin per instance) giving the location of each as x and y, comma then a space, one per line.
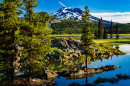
84, 71
79, 71
68, 48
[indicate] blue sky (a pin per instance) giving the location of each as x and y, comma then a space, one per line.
116, 10
94, 5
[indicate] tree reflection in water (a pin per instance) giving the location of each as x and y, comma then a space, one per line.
112, 80
103, 80
77, 84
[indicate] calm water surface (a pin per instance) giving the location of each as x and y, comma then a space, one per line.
114, 36
121, 60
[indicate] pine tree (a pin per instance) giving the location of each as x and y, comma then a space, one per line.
111, 30
35, 41
105, 34
86, 39
117, 31
9, 36
101, 29
29, 6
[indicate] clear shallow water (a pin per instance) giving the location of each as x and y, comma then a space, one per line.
121, 60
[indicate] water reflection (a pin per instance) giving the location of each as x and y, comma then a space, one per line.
78, 84
125, 48
120, 74
112, 80
91, 79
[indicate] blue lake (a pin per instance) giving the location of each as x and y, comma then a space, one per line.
121, 60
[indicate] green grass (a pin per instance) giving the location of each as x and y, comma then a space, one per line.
110, 40
103, 41
53, 35
111, 44
65, 35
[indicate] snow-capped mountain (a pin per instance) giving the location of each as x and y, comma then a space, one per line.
68, 13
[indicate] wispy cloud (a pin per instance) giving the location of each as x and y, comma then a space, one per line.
121, 17
62, 4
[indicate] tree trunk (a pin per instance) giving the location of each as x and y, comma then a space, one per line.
86, 63
12, 57
12, 72
86, 81
29, 79
29, 75
30, 11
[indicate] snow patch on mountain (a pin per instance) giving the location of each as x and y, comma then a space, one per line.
69, 13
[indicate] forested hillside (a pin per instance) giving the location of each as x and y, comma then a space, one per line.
74, 27
69, 27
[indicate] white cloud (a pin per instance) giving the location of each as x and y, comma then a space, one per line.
121, 17
62, 4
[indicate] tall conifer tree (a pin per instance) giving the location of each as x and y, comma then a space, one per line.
111, 30
86, 39
101, 29
117, 31
105, 34
9, 38
35, 41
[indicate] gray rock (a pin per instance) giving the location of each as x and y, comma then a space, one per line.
99, 71
71, 55
75, 55
78, 52
79, 72
50, 74
70, 50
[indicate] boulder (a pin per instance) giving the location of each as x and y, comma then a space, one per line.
70, 50
50, 74
75, 55
78, 52
99, 71
64, 50
91, 70
79, 72
85, 69
71, 55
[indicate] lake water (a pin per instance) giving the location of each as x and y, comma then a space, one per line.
114, 36
121, 60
